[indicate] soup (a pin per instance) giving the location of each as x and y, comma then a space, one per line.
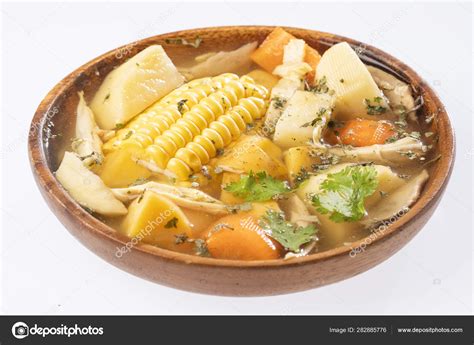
265, 152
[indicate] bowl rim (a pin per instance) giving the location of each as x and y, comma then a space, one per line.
60, 198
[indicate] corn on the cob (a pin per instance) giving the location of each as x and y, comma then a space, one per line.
219, 134
202, 116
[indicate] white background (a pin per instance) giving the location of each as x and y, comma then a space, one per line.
45, 270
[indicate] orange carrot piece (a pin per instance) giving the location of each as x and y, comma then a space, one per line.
270, 53
361, 132
239, 237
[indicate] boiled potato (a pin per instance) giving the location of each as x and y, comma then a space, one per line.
295, 126
120, 169
87, 188
156, 220
349, 78
263, 78
253, 153
133, 86
298, 159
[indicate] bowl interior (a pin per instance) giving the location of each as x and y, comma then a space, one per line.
53, 124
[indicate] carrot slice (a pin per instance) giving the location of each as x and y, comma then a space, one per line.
240, 237
361, 132
270, 53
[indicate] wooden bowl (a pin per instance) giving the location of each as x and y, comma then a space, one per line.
53, 124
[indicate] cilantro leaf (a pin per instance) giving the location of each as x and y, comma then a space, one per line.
257, 187
342, 194
289, 235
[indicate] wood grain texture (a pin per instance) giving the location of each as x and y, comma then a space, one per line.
56, 115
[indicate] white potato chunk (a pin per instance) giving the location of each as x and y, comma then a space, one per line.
87, 188
305, 111
135, 85
351, 81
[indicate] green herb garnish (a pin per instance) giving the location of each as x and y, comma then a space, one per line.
375, 106
342, 194
320, 87
138, 182
180, 238
302, 176
290, 236
278, 102
200, 247
180, 105
257, 187
246, 206
317, 119
172, 223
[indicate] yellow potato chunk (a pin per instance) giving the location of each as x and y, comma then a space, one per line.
120, 169
254, 154
156, 220
264, 78
298, 159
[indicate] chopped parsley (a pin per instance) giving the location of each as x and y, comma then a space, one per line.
342, 194
140, 198
138, 182
180, 238
258, 187
302, 176
409, 154
119, 126
180, 105
200, 247
128, 135
375, 106
320, 87
278, 102
172, 223
391, 139
246, 206
290, 236
317, 119
219, 152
